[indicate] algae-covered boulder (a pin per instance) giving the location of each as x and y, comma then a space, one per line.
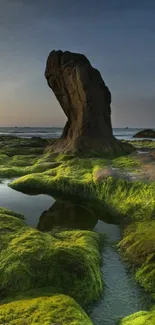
54, 310
146, 133
67, 262
10, 222
21, 146
5, 211
140, 318
138, 248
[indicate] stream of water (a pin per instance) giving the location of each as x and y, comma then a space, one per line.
122, 295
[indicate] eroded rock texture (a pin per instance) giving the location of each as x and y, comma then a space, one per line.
85, 100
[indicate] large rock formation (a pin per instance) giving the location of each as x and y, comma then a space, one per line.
85, 100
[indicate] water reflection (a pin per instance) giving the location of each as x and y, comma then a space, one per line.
66, 215
30, 206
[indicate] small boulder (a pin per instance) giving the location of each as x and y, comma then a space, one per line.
146, 133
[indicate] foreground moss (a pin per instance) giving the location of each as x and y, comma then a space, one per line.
91, 179
58, 309
140, 318
5, 211
31, 259
138, 247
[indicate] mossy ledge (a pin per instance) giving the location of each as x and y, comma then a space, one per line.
140, 318
57, 309
138, 248
31, 259
122, 199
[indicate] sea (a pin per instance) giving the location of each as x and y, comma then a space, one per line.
55, 132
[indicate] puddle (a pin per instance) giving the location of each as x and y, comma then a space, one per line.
143, 152
30, 206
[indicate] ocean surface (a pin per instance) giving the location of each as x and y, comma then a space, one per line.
55, 132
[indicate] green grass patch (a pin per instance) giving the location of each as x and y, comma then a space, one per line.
5, 211
57, 309
142, 144
140, 318
67, 262
126, 162
138, 247
123, 199
20, 157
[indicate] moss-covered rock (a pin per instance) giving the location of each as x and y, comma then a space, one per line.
122, 198
140, 318
57, 309
20, 157
146, 144
66, 262
5, 211
146, 133
138, 247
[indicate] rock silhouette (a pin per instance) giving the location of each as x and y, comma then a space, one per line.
146, 133
86, 101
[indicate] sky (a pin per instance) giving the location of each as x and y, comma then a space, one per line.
117, 36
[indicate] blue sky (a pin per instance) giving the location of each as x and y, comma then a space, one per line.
117, 37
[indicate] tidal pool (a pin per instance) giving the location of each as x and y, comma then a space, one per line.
122, 295
30, 206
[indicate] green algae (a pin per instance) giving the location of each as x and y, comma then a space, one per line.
32, 287
124, 199
126, 162
20, 157
57, 309
31, 259
140, 318
138, 247
5, 211
127, 201
142, 144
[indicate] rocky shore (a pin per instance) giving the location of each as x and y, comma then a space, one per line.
39, 267
53, 277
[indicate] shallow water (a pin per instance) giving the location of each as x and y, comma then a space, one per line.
122, 295
30, 206
55, 132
